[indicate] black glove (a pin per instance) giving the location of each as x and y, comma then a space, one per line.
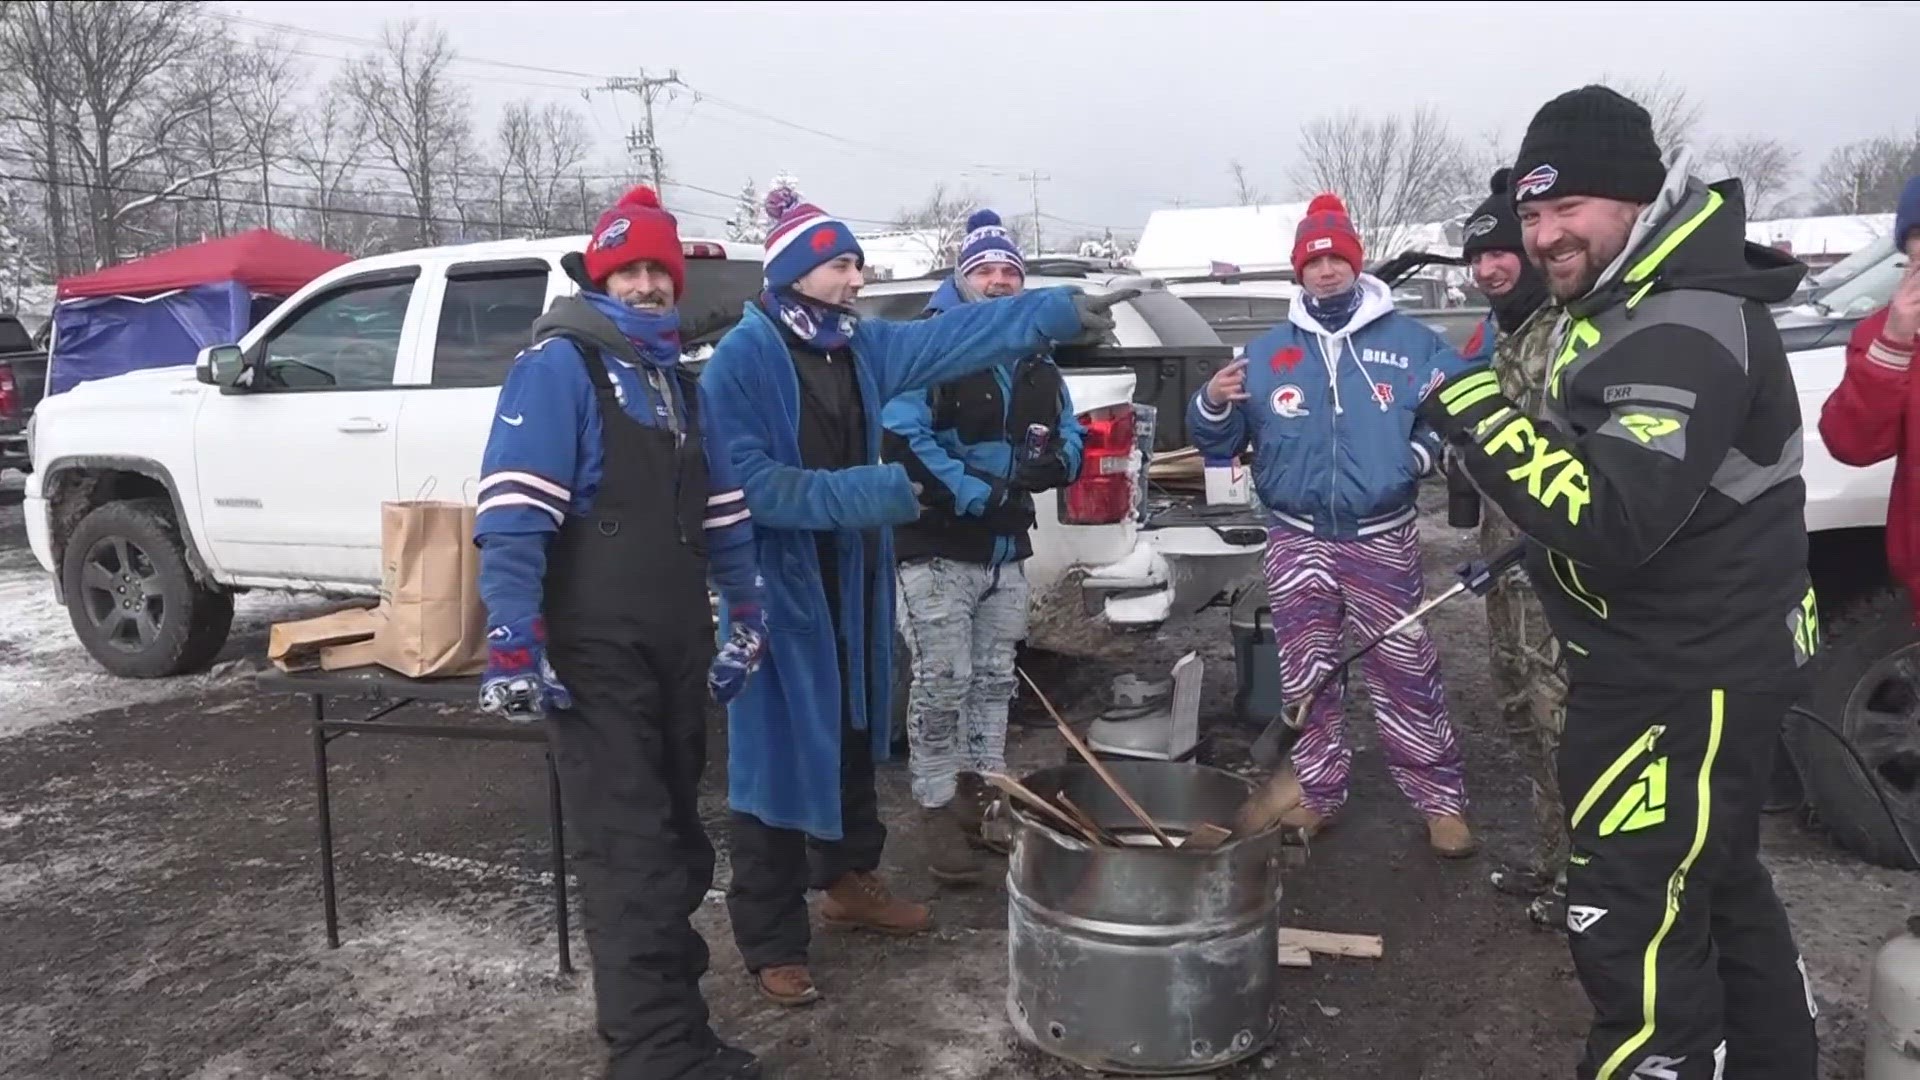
1096, 315
1042, 473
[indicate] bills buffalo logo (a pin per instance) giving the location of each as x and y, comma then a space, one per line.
1537, 182
1285, 359
613, 235
1288, 401
1481, 226
822, 240
1383, 392
1433, 383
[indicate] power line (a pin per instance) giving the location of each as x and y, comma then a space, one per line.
644, 140
1034, 178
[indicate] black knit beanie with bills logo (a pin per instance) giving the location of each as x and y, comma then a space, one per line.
1493, 225
1592, 141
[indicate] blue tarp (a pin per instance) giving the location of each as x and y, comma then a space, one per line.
99, 336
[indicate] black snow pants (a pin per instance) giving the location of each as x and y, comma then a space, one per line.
1678, 938
630, 637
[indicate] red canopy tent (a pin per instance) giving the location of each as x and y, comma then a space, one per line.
262, 260
162, 310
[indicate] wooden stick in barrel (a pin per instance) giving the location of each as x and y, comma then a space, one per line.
1100, 770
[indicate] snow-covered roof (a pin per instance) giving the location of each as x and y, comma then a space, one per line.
904, 253
1189, 241
1837, 234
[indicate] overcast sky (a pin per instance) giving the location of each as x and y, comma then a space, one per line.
1127, 107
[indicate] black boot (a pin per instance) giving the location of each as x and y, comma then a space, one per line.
950, 855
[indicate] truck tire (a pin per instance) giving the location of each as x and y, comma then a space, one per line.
1858, 687
131, 598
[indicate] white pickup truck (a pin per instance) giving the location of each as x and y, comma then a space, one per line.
159, 494
1866, 675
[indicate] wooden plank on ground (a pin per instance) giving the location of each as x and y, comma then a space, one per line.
1364, 946
1295, 956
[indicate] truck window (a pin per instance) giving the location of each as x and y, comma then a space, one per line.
345, 340
485, 320
717, 291
894, 305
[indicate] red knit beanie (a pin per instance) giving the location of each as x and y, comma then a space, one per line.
1326, 230
636, 228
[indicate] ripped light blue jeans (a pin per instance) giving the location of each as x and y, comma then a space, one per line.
962, 622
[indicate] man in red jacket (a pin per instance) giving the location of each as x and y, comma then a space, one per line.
1874, 413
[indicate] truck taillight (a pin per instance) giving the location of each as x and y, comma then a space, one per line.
1103, 495
9, 392
698, 249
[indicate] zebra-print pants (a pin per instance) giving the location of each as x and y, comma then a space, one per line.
1321, 590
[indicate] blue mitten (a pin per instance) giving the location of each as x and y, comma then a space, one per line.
519, 684
740, 656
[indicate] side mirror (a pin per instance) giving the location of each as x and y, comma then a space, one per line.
220, 365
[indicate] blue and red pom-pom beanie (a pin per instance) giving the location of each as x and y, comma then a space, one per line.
805, 237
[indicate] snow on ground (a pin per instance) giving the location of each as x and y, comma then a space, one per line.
49, 676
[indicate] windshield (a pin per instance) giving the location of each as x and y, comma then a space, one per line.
1846, 269
1867, 291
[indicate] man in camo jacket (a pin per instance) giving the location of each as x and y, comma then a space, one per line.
1528, 675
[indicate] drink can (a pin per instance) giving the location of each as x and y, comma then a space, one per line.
1038, 435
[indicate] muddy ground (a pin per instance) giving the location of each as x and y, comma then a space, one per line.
160, 900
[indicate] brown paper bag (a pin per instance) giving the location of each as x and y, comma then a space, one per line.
306, 643
433, 621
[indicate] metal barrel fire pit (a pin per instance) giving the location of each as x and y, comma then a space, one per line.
1143, 959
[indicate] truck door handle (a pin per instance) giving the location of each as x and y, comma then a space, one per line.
361, 424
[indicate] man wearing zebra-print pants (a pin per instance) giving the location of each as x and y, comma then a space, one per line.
1326, 402
1325, 590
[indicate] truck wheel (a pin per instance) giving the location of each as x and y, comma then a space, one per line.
1866, 683
132, 600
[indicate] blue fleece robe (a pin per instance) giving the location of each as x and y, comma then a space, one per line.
783, 761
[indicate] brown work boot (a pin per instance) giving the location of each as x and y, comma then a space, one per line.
1450, 838
861, 901
789, 985
951, 860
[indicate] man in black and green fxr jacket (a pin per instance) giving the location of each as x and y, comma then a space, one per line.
1660, 492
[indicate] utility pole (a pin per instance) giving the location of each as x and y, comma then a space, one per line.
1034, 179
642, 142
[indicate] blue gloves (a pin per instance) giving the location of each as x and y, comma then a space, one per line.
519, 683
740, 656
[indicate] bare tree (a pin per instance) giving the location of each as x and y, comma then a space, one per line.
542, 149
122, 106
1676, 115
266, 81
1765, 165
940, 223
34, 72
330, 144
415, 114
1244, 192
1394, 172
212, 135
1865, 177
